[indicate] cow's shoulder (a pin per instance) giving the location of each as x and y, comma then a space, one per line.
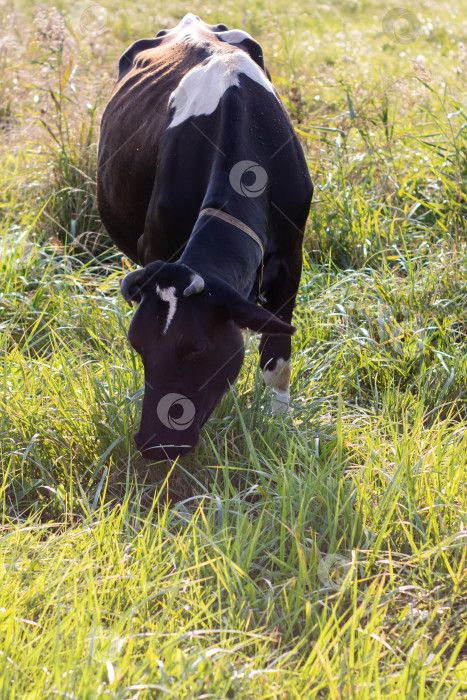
127, 59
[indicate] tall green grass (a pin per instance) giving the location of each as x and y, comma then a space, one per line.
322, 554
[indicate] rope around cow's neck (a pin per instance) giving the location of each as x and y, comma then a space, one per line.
228, 218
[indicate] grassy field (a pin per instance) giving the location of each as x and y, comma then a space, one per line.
319, 555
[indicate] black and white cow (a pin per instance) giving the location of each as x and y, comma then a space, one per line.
203, 182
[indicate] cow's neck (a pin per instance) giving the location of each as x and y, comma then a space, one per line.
219, 248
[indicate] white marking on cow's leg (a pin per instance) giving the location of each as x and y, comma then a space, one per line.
168, 294
279, 380
200, 90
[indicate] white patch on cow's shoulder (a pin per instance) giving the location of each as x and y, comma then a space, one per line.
168, 294
201, 89
233, 36
279, 381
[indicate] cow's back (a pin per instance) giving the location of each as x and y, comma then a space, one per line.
159, 157
131, 128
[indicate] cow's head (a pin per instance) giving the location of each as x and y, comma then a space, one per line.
187, 331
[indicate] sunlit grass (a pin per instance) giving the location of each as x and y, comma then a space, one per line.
322, 554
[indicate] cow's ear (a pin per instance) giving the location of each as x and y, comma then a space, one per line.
135, 283
257, 319
247, 315
130, 286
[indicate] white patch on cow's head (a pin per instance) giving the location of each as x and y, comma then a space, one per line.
201, 89
279, 381
168, 294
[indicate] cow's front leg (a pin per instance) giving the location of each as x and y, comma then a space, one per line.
276, 366
275, 350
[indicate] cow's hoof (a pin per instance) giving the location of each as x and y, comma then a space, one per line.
280, 402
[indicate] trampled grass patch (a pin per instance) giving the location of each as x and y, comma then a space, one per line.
322, 554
